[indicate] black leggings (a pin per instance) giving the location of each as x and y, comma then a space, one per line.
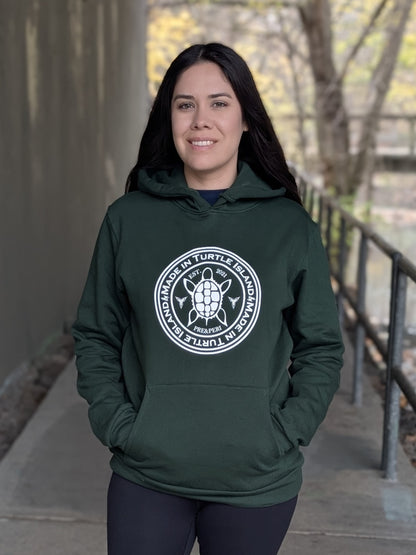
146, 522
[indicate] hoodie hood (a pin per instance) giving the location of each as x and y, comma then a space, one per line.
172, 185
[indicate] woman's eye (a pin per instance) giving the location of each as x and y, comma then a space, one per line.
185, 106
219, 104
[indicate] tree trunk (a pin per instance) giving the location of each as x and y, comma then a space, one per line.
331, 113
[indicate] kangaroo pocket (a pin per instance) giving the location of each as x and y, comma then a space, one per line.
205, 436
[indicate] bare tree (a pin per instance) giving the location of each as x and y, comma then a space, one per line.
342, 169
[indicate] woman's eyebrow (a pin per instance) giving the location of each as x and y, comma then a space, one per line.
216, 95
190, 97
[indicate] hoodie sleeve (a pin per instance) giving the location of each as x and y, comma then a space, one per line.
316, 358
103, 317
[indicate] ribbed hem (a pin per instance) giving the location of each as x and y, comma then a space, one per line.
275, 492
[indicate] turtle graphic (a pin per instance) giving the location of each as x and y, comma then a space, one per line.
207, 296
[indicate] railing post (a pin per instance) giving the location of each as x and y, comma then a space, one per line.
341, 269
302, 188
328, 232
360, 331
320, 211
311, 201
412, 136
394, 360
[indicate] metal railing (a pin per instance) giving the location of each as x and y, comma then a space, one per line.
336, 226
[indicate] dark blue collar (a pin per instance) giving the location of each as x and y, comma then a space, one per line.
210, 195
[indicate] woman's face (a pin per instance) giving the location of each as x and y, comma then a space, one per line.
207, 124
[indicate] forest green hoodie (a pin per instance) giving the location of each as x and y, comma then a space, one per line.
207, 339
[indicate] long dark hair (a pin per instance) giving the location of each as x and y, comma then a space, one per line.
259, 146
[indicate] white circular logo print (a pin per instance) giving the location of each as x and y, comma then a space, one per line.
208, 300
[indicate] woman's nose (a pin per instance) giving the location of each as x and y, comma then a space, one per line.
201, 119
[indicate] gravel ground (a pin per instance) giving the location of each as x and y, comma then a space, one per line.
25, 388
408, 434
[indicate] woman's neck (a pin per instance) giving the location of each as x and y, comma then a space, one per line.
207, 181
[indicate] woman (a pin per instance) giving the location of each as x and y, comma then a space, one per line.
207, 336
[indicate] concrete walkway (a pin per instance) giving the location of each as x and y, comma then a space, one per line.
53, 484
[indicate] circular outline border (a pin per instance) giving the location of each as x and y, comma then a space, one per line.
167, 329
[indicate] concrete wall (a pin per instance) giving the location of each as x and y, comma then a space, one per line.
72, 106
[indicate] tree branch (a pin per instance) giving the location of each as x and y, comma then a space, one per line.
292, 45
298, 100
365, 32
